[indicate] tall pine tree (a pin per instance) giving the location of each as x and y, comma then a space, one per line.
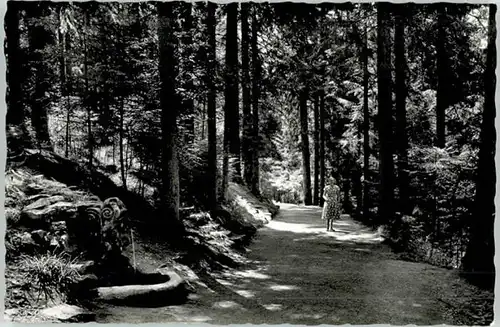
169, 111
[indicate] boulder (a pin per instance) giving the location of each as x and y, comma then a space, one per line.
44, 202
63, 211
36, 197
33, 215
35, 188
27, 240
68, 313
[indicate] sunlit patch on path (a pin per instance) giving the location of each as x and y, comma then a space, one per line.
366, 237
344, 230
226, 304
307, 315
284, 288
246, 293
273, 307
294, 228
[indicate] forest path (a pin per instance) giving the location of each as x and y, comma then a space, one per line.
301, 274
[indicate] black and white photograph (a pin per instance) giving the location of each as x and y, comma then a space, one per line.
244, 162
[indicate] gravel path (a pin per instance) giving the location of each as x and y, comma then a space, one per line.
301, 274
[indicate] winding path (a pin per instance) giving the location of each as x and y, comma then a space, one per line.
301, 274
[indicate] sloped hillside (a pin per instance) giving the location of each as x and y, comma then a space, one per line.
58, 245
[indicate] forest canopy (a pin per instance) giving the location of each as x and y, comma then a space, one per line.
175, 100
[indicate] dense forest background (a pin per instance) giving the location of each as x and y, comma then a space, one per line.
174, 100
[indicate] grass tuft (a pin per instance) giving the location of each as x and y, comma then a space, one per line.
50, 275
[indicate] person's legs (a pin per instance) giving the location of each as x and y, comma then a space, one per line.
327, 224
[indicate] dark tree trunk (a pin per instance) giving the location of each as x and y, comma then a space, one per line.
39, 37
225, 168
231, 106
17, 140
401, 136
366, 130
188, 103
64, 89
211, 106
357, 188
62, 54
443, 79
68, 90
346, 186
304, 133
15, 110
356, 173
169, 107
386, 211
322, 146
69, 64
481, 248
203, 118
86, 94
121, 132
316, 150
68, 121
105, 113
114, 150
256, 72
246, 144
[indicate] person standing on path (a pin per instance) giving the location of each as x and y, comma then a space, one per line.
331, 209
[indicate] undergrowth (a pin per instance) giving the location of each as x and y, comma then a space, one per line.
50, 275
